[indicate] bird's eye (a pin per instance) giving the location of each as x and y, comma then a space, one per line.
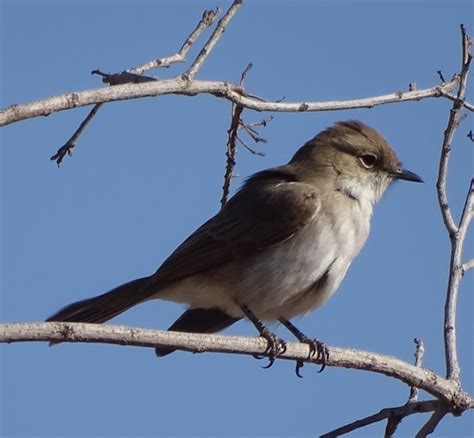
368, 160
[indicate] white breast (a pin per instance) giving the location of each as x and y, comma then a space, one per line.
277, 282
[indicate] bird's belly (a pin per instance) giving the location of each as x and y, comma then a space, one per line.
282, 281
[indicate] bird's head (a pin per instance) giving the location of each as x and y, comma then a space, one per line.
353, 156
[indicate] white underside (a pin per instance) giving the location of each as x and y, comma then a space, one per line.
282, 281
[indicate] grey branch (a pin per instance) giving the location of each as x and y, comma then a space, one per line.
457, 233
452, 97
433, 421
216, 35
208, 17
394, 416
440, 388
134, 75
419, 355
221, 89
398, 413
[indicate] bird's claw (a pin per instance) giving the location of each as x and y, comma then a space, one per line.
317, 350
275, 346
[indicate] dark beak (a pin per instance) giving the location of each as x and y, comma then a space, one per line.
407, 175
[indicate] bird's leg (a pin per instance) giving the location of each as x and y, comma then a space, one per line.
275, 345
316, 347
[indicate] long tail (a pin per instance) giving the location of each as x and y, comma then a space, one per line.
104, 307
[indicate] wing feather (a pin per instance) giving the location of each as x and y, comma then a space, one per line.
269, 209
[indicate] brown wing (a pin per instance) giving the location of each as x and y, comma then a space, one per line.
269, 209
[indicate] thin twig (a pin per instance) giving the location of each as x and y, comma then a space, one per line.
244, 73
395, 415
251, 150
468, 265
212, 41
263, 122
394, 420
135, 76
230, 151
456, 234
385, 414
256, 137
441, 76
433, 421
208, 18
419, 355
68, 147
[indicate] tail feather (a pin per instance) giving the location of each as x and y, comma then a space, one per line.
106, 306
198, 321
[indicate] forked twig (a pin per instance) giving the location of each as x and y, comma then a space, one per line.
135, 76
456, 233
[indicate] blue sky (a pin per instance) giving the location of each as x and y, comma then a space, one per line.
148, 172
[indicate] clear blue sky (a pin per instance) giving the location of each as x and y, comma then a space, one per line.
148, 172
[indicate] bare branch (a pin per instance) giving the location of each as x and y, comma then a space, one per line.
253, 133
394, 420
385, 414
431, 424
68, 147
394, 416
456, 234
452, 97
456, 271
221, 89
263, 122
445, 390
419, 355
230, 152
208, 18
135, 76
251, 150
216, 35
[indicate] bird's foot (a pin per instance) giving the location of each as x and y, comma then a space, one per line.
275, 346
317, 350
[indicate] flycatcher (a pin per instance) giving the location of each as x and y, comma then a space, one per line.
279, 248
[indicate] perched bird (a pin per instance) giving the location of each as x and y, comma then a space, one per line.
279, 247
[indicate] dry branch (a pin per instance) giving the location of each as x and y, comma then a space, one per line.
230, 151
221, 89
456, 233
216, 35
437, 386
208, 18
433, 421
135, 75
396, 413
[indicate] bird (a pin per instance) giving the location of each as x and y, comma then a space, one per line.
279, 248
